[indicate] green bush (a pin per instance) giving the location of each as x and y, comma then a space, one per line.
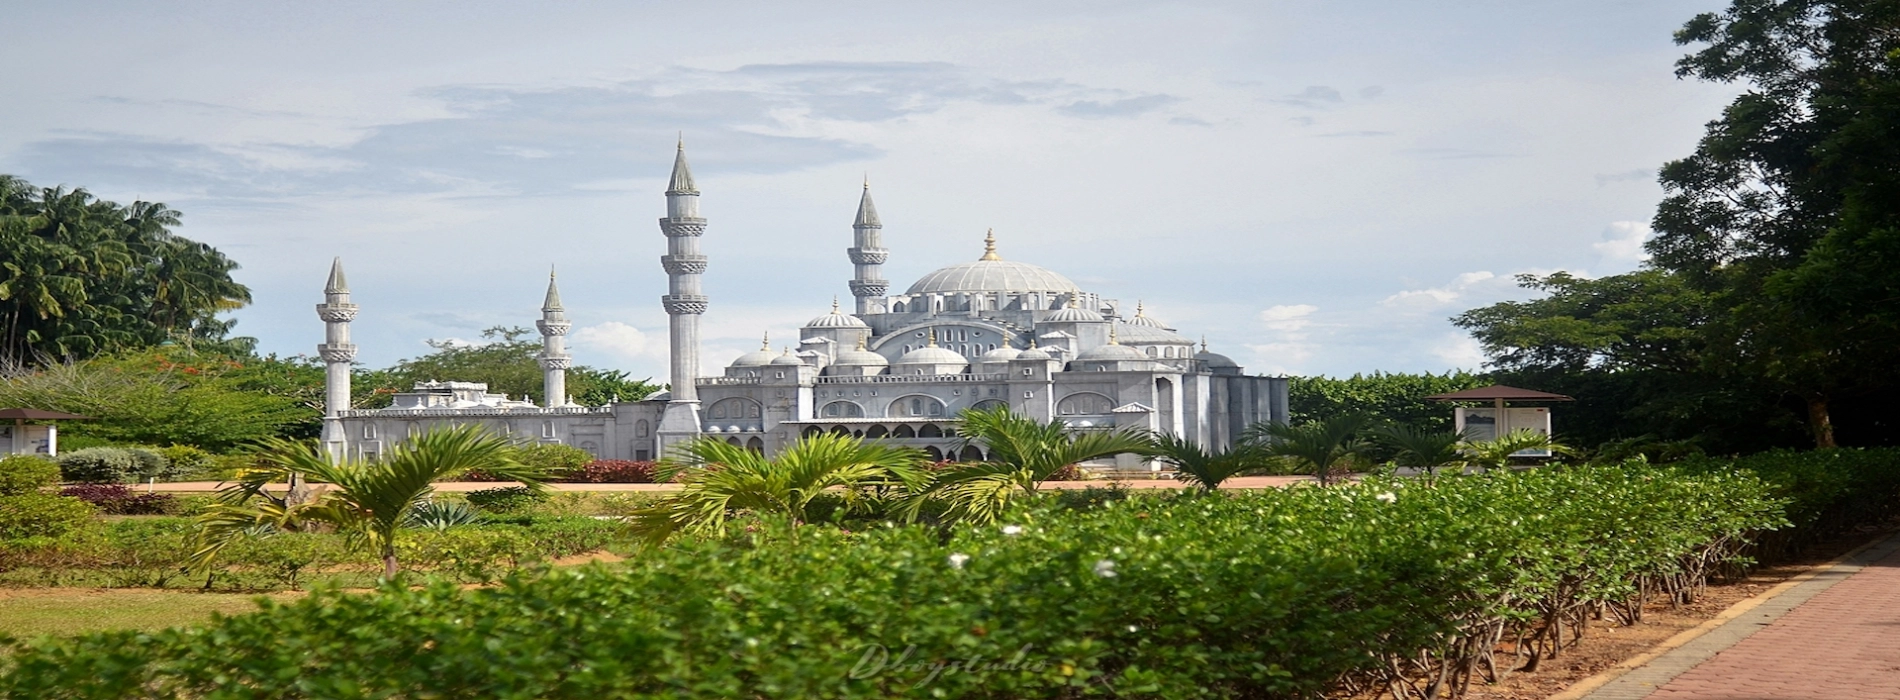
1274, 593
192, 464
27, 474
554, 458
99, 465
1829, 491
511, 499
40, 515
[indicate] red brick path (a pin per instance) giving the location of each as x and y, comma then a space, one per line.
1843, 644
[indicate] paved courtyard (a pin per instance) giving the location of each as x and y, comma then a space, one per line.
1833, 637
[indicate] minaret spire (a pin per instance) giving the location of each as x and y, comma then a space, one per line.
867, 255
337, 352
554, 358
684, 302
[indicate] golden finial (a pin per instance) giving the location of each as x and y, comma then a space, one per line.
1140, 307
834, 303
1032, 341
989, 246
1112, 338
550, 273
765, 342
1071, 302
1203, 342
933, 337
867, 179
682, 142
861, 342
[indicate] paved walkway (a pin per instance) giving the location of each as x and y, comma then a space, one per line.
1244, 482
1834, 637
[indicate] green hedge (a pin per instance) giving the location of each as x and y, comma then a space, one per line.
1828, 491
1274, 593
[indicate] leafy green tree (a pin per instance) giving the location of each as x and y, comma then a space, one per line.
1323, 445
1496, 453
81, 276
369, 500
1784, 214
1023, 453
161, 396
507, 363
1196, 464
1394, 397
718, 479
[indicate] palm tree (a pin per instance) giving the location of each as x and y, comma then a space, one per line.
371, 499
717, 479
1208, 469
1321, 445
1423, 449
1023, 453
1496, 453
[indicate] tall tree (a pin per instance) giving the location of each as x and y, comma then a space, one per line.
80, 276
1784, 214
506, 363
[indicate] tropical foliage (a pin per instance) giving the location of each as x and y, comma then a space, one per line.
367, 500
81, 276
1326, 446
1195, 464
1422, 449
1386, 396
1023, 453
717, 479
506, 361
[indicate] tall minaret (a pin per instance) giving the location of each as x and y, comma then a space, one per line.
684, 301
554, 358
868, 255
337, 352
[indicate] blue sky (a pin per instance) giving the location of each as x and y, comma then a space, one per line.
1315, 187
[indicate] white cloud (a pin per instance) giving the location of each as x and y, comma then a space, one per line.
1622, 244
1287, 318
1460, 351
1440, 296
614, 339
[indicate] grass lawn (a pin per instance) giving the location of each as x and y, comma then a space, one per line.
26, 612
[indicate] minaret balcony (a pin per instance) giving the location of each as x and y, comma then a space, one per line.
684, 304
336, 313
337, 352
869, 288
683, 264
553, 327
681, 227
868, 256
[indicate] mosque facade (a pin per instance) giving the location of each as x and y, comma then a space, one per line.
897, 367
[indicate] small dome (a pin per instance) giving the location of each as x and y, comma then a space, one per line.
860, 358
1141, 318
932, 355
836, 319
1111, 352
1073, 314
1034, 353
1214, 359
787, 359
757, 358
1002, 354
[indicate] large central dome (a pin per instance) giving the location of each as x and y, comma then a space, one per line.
992, 273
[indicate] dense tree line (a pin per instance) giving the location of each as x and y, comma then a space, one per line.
1771, 305
81, 276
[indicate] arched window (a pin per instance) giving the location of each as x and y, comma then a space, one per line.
876, 431
934, 454
1084, 405
842, 409
756, 445
987, 405
971, 454
1151, 351
930, 431
640, 428
897, 307
812, 431
916, 406
733, 409
902, 431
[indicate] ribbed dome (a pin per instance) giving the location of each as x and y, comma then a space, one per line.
1002, 354
861, 358
836, 319
1214, 359
787, 359
1141, 318
992, 276
932, 355
1111, 352
1074, 314
1034, 353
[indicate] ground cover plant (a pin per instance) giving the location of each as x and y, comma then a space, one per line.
1402, 585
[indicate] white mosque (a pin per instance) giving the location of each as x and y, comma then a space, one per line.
980, 334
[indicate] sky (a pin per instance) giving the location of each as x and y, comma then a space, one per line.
1314, 187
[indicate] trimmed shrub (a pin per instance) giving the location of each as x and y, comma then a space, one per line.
152, 464
1829, 491
118, 499
612, 471
40, 515
1274, 593
554, 458
509, 499
26, 474
99, 465
191, 464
